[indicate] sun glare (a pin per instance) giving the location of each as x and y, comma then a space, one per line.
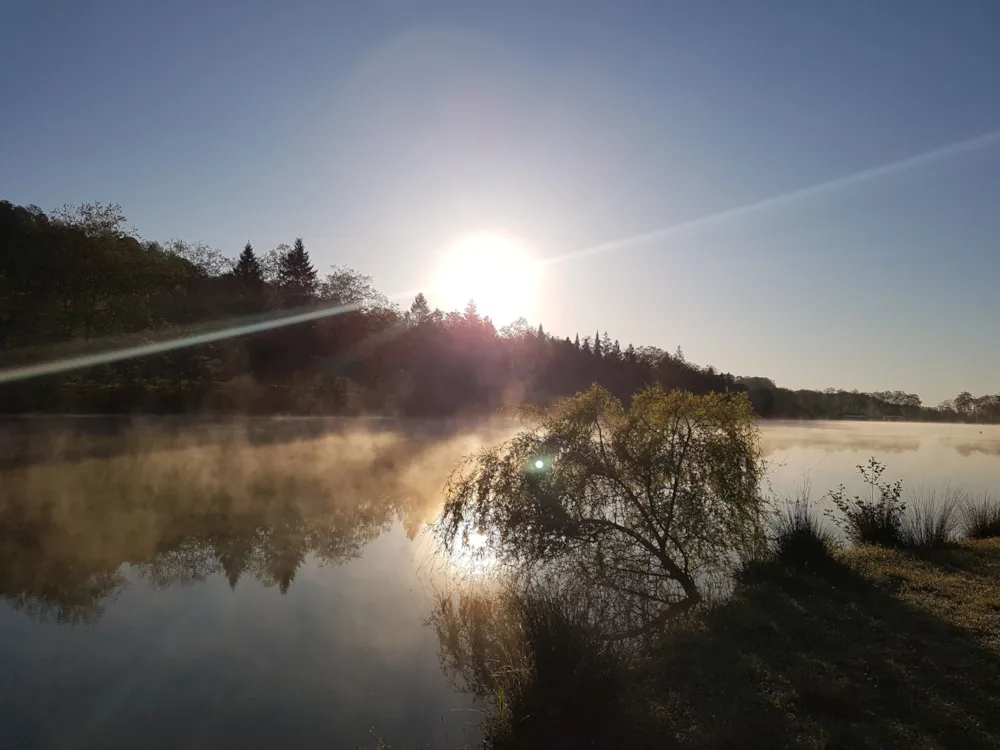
496, 271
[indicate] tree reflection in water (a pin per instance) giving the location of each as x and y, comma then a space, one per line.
178, 510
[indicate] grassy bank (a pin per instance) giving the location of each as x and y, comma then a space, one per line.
878, 648
871, 648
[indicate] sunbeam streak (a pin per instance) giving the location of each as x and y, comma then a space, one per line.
118, 354
840, 183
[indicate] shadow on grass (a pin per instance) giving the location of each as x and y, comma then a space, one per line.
980, 558
826, 659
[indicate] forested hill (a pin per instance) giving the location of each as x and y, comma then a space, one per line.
79, 280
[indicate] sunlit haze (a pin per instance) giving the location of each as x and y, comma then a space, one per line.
692, 165
495, 271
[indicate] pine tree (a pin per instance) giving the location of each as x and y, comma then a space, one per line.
248, 269
541, 331
576, 342
630, 354
597, 345
616, 350
296, 275
472, 313
420, 310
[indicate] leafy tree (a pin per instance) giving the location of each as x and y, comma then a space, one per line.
270, 263
516, 329
208, 261
94, 219
639, 504
963, 403
345, 286
82, 275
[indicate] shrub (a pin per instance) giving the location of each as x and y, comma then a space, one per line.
982, 517
932, 520
875, 517
799, 539
641, 505
544, 667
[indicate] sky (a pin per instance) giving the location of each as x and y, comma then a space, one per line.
795, 189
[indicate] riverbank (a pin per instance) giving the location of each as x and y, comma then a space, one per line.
879, 648
868, 648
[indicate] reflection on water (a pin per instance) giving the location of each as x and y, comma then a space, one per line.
264, 584
226, 589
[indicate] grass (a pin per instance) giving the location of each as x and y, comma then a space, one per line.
891, 644
931, 519
574, 690
547, 676
982, 517
874, 648
881, 648
799, 538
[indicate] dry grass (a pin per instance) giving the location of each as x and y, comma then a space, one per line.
882, 648
931, 519
982, 517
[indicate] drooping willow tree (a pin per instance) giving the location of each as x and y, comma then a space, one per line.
638, 508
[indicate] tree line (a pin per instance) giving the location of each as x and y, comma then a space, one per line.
79, 278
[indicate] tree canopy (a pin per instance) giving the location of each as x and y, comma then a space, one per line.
81, 279
640, 504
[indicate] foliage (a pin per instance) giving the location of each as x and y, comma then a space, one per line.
639, 505
80, 280
800, 540
248, 268
542, 666
877, 516
932, 518
345, 286
982, 517
420, 309
296, 275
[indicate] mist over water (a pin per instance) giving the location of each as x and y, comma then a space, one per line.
923, 456
265, 582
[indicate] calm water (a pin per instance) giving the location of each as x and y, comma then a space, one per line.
265, 584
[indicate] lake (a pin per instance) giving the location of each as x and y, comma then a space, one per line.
266, 583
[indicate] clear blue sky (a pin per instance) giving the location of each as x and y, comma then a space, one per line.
381, 131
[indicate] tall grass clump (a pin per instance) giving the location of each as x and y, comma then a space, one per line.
877, 515
572, 694
546, 670
932, 518
982, 517
799, 538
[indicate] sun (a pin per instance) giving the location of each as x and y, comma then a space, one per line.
495, 270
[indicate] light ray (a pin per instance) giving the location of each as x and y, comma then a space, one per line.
840, 183
119, 354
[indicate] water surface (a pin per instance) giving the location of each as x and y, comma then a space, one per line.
265, 583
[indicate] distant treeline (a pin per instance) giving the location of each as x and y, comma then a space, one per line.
79, 280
